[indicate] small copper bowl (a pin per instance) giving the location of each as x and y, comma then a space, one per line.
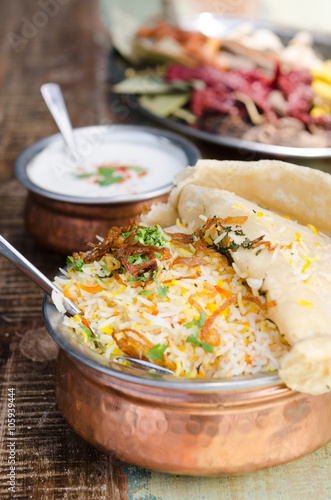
64, 223
184, 426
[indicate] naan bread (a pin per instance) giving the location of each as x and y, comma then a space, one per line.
295, 271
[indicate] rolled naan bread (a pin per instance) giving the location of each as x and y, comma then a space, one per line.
292, 268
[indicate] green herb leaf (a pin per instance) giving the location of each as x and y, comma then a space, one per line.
207, 347
147, 85
107, 181
105, 175
196, 326
164, 104
131, 278
157, 255
105, 270
157, 351
138, 170
137, 259
194, 341
88, 331
122, 269
145, 292
151, 236
76, 263
162, 290
227, 229
82, 176
143, 277
197, 322
125, 235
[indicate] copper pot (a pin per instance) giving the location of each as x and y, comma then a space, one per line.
64, 223
183, 426
65, 227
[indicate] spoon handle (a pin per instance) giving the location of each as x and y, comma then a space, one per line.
8, 251
53, 97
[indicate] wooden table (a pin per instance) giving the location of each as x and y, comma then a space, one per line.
65, 45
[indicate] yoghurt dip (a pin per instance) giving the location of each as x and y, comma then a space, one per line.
116, 162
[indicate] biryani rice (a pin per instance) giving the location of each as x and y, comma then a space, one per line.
247, 342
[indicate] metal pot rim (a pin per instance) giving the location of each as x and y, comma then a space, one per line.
54, 324
187, 147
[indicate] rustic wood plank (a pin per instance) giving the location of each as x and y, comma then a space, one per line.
51, 461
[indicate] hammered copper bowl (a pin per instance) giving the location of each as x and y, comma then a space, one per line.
64, 223
184, 426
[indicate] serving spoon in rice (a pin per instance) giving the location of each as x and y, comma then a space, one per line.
64, 304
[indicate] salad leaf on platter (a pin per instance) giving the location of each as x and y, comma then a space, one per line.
164, 104
148, 84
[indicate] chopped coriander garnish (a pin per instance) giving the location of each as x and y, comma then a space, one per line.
143, 277
227, 229
107, 175
104, 176
137, 259
105, 270
125, 235
196, 326
207, 347
151, 236
157, 255
138, 170
122, 269
145, 292
247, 244
259, 251
76, 263
88, 331
131, 278
162, 290
157, 351
82, 176
194, 340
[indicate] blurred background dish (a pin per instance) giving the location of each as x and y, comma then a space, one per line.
288, 117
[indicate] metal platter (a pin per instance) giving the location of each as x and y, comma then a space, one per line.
218, 25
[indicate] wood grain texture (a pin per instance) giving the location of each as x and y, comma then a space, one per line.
51, 461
